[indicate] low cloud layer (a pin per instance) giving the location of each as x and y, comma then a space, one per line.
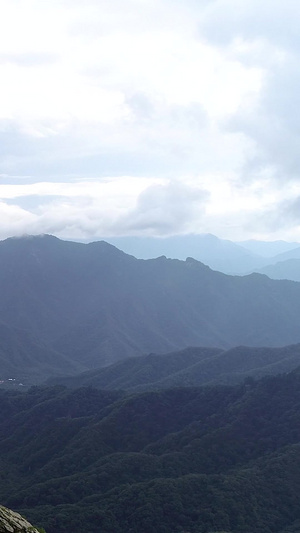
90, 209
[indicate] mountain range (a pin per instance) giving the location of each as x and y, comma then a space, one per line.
219, 254
286, 269
68, 307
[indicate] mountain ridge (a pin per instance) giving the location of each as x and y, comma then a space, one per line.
94, 305
191, 367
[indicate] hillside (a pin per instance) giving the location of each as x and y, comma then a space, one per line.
189, 367
196, 459
27, 360
94, 305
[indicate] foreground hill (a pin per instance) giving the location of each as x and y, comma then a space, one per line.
11, 522
198, 460
189, 367
94, 305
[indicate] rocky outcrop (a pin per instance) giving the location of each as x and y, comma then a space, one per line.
11, 522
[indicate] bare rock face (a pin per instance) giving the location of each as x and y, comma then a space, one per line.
11, 522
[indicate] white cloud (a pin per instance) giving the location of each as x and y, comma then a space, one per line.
159, 101
165, 209
102, 53
14, 220
266, 37
98, 208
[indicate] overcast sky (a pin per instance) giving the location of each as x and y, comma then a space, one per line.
150, 117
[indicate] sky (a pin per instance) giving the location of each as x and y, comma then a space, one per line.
150, 118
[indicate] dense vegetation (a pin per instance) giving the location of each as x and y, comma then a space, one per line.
189, 367
188, 459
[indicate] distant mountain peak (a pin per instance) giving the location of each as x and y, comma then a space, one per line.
28, 236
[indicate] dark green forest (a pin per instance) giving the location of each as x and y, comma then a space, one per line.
223, 458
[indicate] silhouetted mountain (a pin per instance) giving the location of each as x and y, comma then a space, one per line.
268, 248
219, 254
94, 305
223, 255
288, 269
195, 459
283, 266
289, 254
189, 367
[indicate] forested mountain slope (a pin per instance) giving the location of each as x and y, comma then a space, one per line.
27, 359
94, 305
189, 367
196, 459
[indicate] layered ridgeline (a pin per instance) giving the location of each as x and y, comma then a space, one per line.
189, 367
277, 259
67, 307
194, 459
284, 269
219, 254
